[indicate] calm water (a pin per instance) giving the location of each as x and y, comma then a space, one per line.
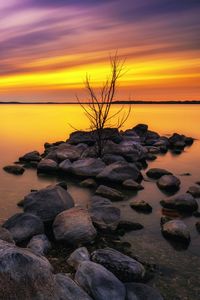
25, 128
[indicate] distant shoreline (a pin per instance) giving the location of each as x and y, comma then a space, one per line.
115, 102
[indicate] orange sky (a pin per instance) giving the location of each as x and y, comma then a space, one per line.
47, 48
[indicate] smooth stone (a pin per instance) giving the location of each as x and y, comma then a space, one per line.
194, 191
74, 226
47, 166
47, 203
78, 256
14, 169
88, 183
141, 205
23, 226
30, 156
177, 230
132, 185
140, 129
183, 202
65, 166
88, 167
109, 193
156, 173
5, 235
122, 266
129, 225
169, 183
98, 282
78, 137
119, 172
39, 244
97, 201
68, 289
67, 151
140, 291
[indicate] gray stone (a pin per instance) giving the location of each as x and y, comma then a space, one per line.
140, 291
194, 191
132, 185
156, 173
169, 183
23, 226
14, 169
30, 156
122, 266
47, 166
78, 256
47, 203
177, 230
141, 205
88, 167
65, 166
97, 201
74, 226
99, 282
183, 202
67, 151
39, 244
109, 193
5, 235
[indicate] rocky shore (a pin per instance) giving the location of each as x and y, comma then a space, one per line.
55, 249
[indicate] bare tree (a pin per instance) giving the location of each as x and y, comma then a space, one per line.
98, 107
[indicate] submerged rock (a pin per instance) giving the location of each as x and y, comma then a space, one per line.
23, 226
74, 226
156, 173
100, 283
78, 256
169, 183
141, 205
177, 230
122, 266
14, 169
140, 291
39, 244
109, 192
183, 202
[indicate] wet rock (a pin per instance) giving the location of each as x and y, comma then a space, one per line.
132, 185
99, 282
176, 230
140, 291
5, 235
74, 226
156, 173
198, 226
39, 244
183, 202
23, 226
141, 205
47, 166
169, 183
119, 172
129, 225
47, 203
68, 289
122, 266
78, 256
30, 156
88, 183
109, 193
194, 191
112, 158
14, 169
88, 167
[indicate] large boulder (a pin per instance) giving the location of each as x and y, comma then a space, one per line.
140, 291
39, 244
169, 183
176, 230
47, 203
120, 171
74, 226
78, 137
66, 151
122, 266
30, 156
23, 226
47, 165
14, 169
183, 202
109, 193
100, 283
156, 173
88, 167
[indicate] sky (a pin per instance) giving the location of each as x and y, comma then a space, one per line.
47, 47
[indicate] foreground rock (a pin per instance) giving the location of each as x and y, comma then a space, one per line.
39, 244
109, 193
176, 230
140, 291
119, 172
74, 226
78, 256
23, 226
47, 203
5, 235
14, 169
184, 202
194, 191
122, 266
141, 205
156, 173
98, 282
168, 183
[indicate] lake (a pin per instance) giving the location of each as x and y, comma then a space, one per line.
24, 128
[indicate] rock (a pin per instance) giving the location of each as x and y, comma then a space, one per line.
68, 289
78, 256
119, 172
153, 149
30, 156
198, 182
177, 230
88, 167
176, 138
129, 225
65, 166
78, 137
24, 275
189, 141
168, 183
99, 282
141, 205
39, 244
140, 129
88, 183
112, 158
109, 193
97, 201
67, 151
132, 185
198, 226
122, 266
74, 226
62, 184
150, 157
194, 191
196, 214
140, 291
47, 166
14, 169
156, 173
183, 202
5, 235
23, 226
47, 203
